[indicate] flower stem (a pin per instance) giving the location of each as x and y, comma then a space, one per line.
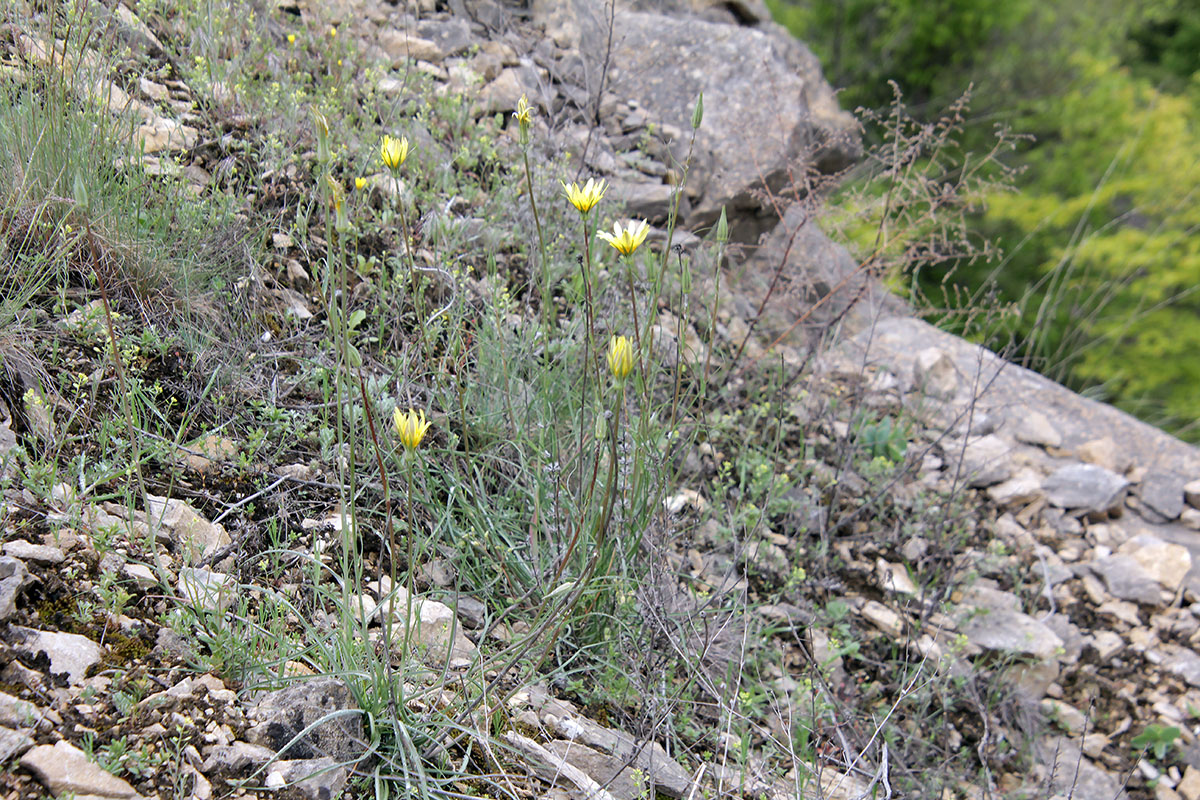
547, 305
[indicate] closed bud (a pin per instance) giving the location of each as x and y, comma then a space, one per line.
723, 227
698, 112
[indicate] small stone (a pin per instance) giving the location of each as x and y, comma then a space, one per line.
1022, 488
894, 578
141, 575
1120, 609
1162, 493
201, 588
17, 713
1084, 487
1107, 644
1069, 718
70, 654
935, 374
1189, 786
13, 579
1011, 632
1127, 580
312, 779
882, 617
1033, 428
13, 743
1182, 662
65, 769
1103, 452
1190, 517
282, 715
37, 553
986, 461
1166, 563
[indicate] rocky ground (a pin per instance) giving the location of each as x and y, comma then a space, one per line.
884, 563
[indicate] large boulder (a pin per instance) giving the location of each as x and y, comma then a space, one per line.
769, 115
809, 282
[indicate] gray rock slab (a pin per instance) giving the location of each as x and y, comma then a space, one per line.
622, 781
1084, 487
1125, 578
325, 703
13, 743
313, 779
1008, 391
70, 655
17, 713
14, 577
670, 778
65, 770
1182, 662
37, 553
1072, 774
1011, 632
234, 758
1162, 492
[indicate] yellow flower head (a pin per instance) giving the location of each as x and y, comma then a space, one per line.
585, 199
291, 38
627, 240
393, 151
620, 357
410, 427
341, 222
359, 183
524, 112
524, 115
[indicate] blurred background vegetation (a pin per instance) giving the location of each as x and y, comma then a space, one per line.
1098, 231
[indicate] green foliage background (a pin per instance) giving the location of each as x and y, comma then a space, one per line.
1101, 253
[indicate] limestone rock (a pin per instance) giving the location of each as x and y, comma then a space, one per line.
312, 779
37, 553
70, 654
1166, 563
1072, 774
1084, 487
1034, 428
203, 588
747, 82
64, 769
13, 578
1011, 632
13, 743
282, 715
668, 776
1126, 579
1162, 493
986, 461
193, 534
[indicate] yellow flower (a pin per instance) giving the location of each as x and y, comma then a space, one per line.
524, 115
339, 203
620, 357
291, 38
585, 199
627, 240
393, 151
333, 31
410, 427
359, 183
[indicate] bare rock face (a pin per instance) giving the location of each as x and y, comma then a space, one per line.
768, 112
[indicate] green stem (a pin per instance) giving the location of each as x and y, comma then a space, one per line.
547, 305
